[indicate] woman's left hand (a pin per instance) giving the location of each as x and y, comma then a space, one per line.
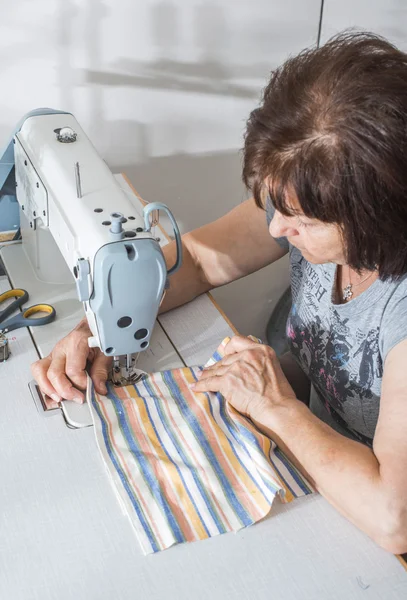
249, 377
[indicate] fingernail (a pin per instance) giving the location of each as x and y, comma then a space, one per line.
192, 385
56, 398
78, 399
199, 374
100, 387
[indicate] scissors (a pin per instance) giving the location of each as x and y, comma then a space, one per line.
25, 318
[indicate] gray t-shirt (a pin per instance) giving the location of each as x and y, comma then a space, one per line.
342, 347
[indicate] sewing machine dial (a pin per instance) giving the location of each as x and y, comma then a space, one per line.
66, 135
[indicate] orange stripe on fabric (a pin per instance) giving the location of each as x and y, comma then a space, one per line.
245, 489
209, 487
164, 470
129, 476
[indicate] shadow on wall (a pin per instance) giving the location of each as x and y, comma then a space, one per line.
204, 78
214, 71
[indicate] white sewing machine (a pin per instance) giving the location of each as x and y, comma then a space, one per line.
69, 197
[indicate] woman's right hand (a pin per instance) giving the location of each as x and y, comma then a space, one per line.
62, 374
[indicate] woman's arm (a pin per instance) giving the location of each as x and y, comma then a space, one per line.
227, 249
368, 486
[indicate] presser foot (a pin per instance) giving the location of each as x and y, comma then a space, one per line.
124, 371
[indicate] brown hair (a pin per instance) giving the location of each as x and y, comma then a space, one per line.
332, 127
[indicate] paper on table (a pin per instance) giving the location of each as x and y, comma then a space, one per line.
186, 466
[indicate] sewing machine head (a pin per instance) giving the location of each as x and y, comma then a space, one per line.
66, 190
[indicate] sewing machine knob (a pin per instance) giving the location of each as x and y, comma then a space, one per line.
66, 135
116, 231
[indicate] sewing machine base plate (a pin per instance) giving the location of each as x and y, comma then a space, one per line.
76, 416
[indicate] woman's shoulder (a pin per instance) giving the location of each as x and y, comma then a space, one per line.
396, 292
393, 327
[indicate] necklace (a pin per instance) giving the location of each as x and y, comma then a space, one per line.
347, 291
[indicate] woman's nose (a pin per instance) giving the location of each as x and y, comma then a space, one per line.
279, 227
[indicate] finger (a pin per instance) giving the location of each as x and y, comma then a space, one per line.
209, 384
39, 371
239, 343
58, 379
76, 356
99, 372
245, 355
207, 374
226, 361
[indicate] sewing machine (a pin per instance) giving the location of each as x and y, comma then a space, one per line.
77, 222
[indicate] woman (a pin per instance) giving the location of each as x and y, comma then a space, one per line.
325, 154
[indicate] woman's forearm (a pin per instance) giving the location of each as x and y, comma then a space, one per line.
188, 282
345, 472
220, 252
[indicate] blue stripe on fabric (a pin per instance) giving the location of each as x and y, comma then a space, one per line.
123, 478
174, 463
230, 425
240, 511
218, 522
252, 439
294, 474
148, 474
287, 485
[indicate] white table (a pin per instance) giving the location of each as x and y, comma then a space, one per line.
62, 533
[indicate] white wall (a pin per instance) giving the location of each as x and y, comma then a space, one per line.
386, 17
163, 89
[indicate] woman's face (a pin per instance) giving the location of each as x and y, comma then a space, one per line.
318, 242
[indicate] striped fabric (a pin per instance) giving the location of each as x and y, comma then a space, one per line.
186, 466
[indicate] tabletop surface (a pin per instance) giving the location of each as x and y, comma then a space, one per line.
63, 535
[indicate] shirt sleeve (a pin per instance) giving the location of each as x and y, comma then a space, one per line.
270, 210
394, 322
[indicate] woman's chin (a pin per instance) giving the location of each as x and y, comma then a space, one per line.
312, 258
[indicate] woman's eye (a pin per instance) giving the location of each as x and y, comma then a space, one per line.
301, 223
